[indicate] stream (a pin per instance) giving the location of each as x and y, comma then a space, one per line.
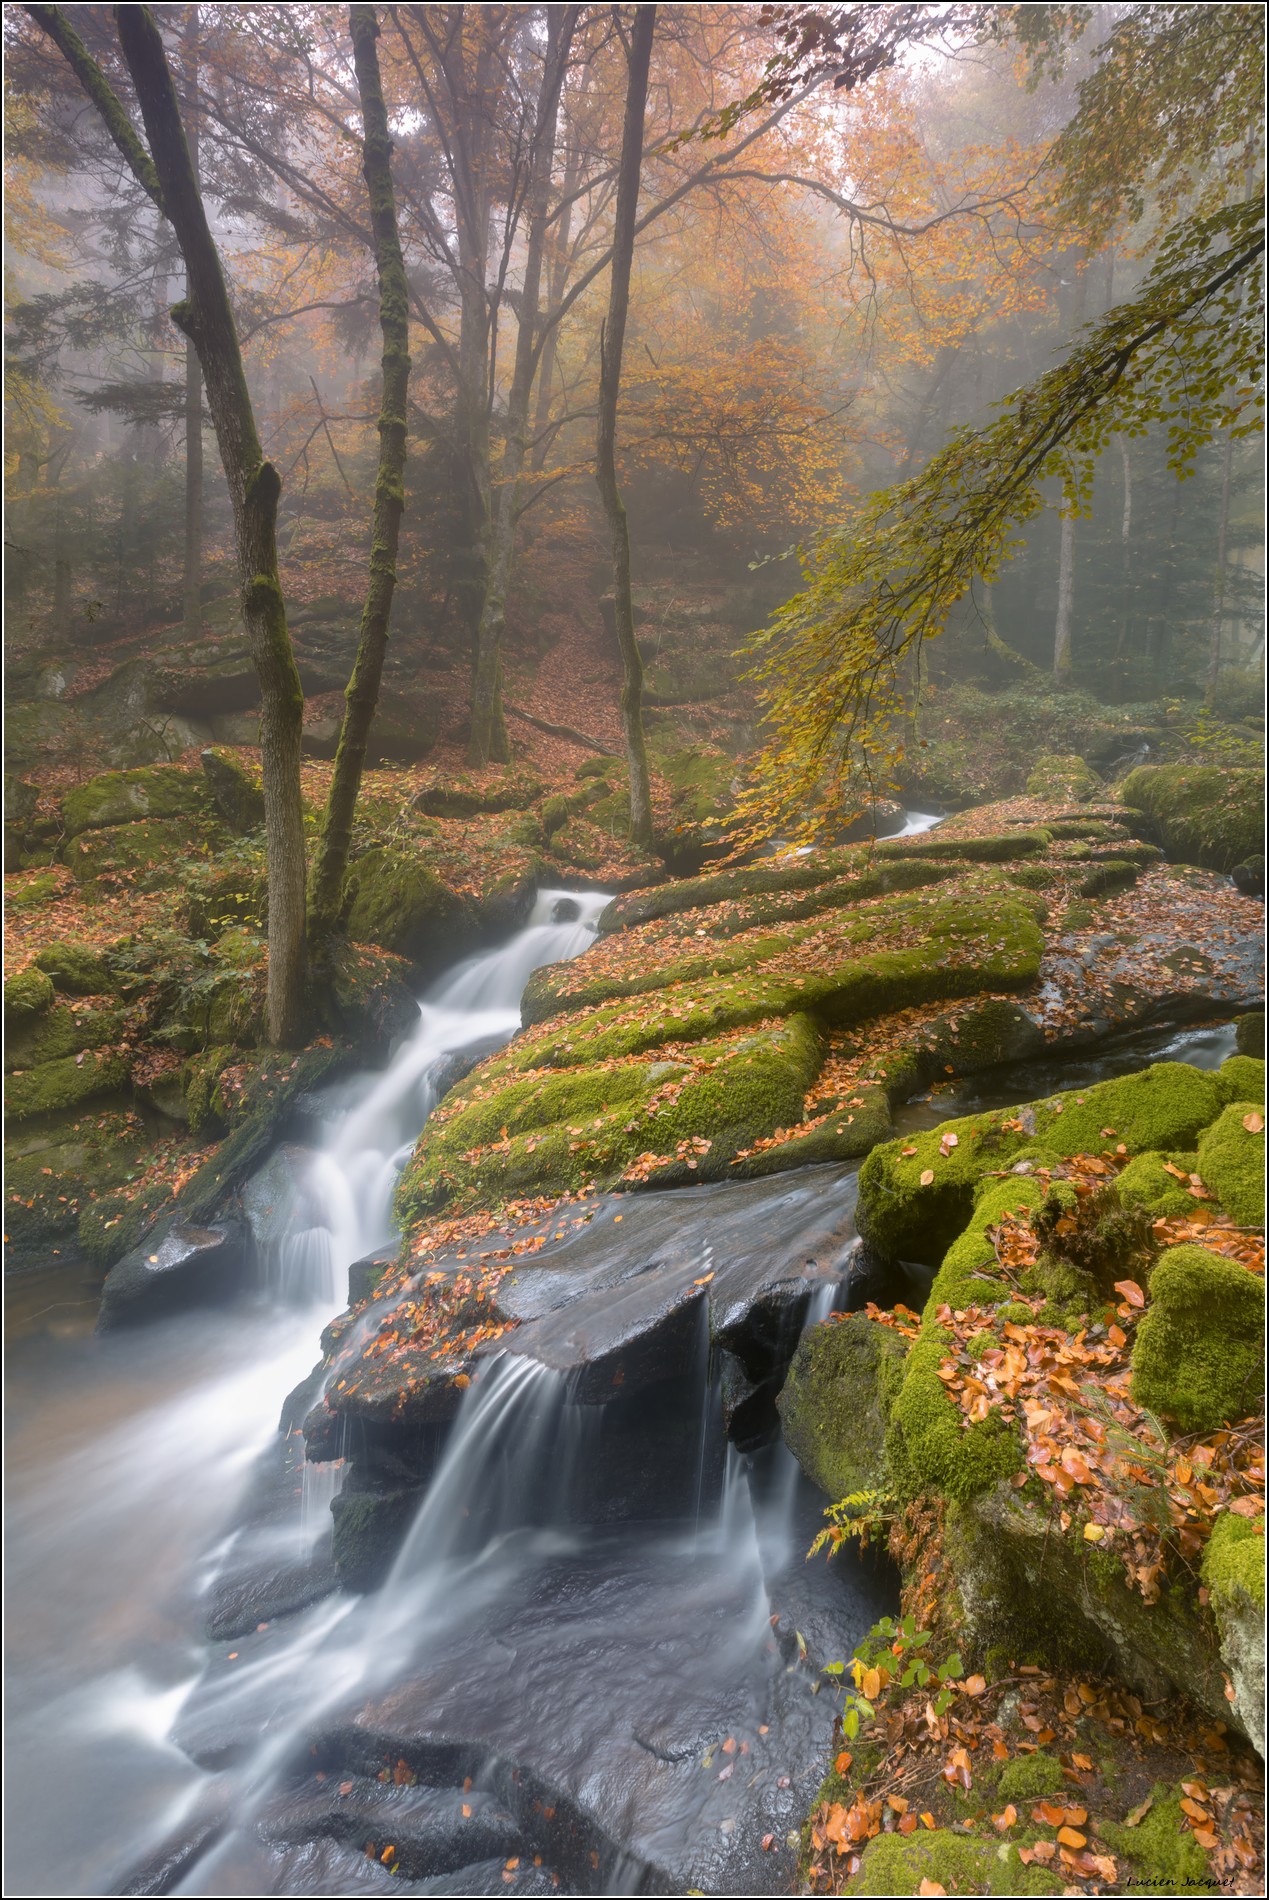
548, 1693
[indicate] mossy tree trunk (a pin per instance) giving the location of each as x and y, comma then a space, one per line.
611, 346
167, 174
362, 695
1066, 603
193, 567
561, 23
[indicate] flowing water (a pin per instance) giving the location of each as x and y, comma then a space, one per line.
555, 1684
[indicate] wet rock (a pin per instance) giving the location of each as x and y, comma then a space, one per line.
1249, 877
179, 1266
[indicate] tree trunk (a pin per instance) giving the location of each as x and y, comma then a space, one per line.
612, 339
1125, 557
193, 576
206, 318
362, 694
1218, 609
487, 693
1066, 602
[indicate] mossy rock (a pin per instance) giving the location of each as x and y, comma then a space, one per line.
1031, 1777
75, 971
1161, 1852
119, 798
836, 1402
929, 1450
501, 1136
1107, 876
900, 952
1198, 1358
63, 1031
1234, 1575
846, 1133
200, 1077
599, 767
1249, 1033
1063, 777
993, 848
229, 895
1146, 1183
1231, 1161
56, 1086
152, 852
33, 892
56, 1167
1163, 1107
899, 1864
235, 788
27, 996
1241, 1078
1205, 814
403, 906
725, 887
462, 797
221, 1006
113, 1225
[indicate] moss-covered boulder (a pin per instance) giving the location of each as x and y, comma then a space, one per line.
1063, 777
1159, 1183
1250, 1034
53, 1087
74, 971
26, 996
1234, 1577
1160, 1854
62, 1031
943, 1862
151, 852
1198, 1358
684, 1116
236, 789
463, 797
1162, 1108
402, 905
1204, 814
1231, 1161
836, 1402
119, 798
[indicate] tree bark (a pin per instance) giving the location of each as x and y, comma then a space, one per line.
487, 710
1066, 603
1222, 539
1125, 557
362, 695
193, 566
612, 339
206, 317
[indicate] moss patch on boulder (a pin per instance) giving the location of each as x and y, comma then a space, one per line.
60, 1032
398, 903
1063, 777
74, 971
26, 996
145, 852
235, 788
1204, 814
1250, 1034
908, 1864
836, 1402
1231, 1161
52, 1087
1198, 1358
118, 798
1161, 1850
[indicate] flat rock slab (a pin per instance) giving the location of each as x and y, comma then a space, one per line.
179, 1266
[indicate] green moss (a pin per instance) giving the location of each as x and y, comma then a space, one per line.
930, 1451
62, 1032
112, 1226
994, 848
26, 996
1146, 1183
1250, 1034
970, 1274
117, 798
1234, 1563
1064, 778
898, 1864
73, 970
228, 895
1031, 1777
1112, 874
1204, 814
398, 903
1198, 1357
33, 892
462, 797
903, 951
1161, 1850
64, 1084
235, 789
566, 1130
1241, 1079
200, 1077
1162, 1107
153, 852
848, 1132
55, 1167
1231, 1161
837, 1399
